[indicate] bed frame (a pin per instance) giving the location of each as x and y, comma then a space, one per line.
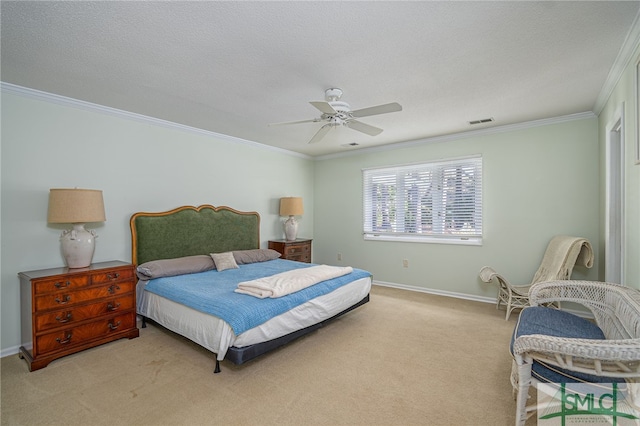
188, 231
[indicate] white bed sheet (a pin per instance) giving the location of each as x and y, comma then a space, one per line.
217, 336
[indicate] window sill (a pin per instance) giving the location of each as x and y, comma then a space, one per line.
465, 241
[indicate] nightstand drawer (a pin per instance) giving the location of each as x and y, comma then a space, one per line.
76, 314
300, 258
297, 250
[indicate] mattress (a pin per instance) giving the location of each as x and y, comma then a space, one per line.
217, 336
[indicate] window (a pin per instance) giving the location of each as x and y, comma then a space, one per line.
439, 201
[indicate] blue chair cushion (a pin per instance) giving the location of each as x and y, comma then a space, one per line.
557, 323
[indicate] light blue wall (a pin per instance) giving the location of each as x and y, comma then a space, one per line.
140, 166
624, 96
539, 181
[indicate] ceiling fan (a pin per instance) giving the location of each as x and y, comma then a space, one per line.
338, 113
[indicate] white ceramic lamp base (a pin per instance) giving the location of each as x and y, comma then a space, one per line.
78, 245
291, 228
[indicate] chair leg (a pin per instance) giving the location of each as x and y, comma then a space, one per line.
524, 381
509, 308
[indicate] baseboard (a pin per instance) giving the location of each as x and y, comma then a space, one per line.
453, 294
9, 351
482, 299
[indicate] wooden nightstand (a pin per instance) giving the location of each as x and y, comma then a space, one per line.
298, 249
64, 310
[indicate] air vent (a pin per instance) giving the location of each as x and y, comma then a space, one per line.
482, 121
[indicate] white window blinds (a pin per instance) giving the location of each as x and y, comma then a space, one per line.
440, 199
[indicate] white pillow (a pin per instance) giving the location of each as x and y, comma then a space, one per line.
224, 261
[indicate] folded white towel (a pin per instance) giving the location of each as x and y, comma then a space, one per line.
288, 282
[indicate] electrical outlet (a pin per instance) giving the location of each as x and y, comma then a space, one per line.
405, 263
339, 256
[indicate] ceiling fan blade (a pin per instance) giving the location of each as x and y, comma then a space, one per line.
375, 110
324, 107
321, 133
364, 128
315, 120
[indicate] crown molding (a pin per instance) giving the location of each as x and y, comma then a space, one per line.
101, 109
625, 56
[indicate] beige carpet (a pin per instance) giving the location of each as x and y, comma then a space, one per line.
405, 358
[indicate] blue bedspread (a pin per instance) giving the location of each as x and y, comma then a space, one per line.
212, 292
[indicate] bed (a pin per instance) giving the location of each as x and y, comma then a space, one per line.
171, 250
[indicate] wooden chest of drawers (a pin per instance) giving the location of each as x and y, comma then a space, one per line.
64, 310
299, 250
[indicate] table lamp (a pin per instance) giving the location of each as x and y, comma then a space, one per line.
291, 206
76, 206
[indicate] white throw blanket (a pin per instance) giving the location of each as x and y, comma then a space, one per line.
562, 254
288, 282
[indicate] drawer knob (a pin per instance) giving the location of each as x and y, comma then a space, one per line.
62, 284
112, 289
114, 326
65, 341
65, 318
65, 299
113, 276
111, 307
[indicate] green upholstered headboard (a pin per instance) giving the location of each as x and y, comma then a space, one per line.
188, 231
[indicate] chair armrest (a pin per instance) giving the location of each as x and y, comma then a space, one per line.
583, 292
487, 274
613, 358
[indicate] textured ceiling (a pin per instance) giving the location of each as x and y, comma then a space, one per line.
234, 67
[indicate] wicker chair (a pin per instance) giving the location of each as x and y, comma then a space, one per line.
616, 310
562, 254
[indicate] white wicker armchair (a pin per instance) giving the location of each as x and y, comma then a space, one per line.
616, 310
562, 253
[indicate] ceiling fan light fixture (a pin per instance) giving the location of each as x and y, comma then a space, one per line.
338, 113
332, 94
340, 106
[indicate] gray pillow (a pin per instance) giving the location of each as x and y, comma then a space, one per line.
224, 261
256, 255
178, 266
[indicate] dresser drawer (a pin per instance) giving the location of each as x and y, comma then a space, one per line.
74, 315
60, 284
73, 336
71, 298
112, 276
